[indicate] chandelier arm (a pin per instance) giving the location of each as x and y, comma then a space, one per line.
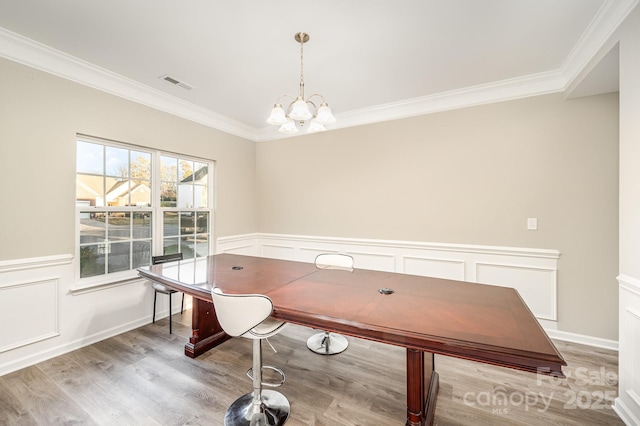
314, 105
318, 95
285, 96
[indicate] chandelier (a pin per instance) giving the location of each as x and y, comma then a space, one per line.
298, 109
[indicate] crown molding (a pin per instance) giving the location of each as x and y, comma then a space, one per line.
44, 58
609, 17
36, 55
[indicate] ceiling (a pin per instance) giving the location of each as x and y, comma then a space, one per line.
372, 61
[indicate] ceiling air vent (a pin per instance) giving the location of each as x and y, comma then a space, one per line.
176, 82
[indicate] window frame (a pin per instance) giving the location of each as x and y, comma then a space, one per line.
156, 211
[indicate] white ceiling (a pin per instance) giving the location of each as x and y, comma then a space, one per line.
372, 61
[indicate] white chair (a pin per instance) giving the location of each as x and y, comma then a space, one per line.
161, 288
327, 343
248, 315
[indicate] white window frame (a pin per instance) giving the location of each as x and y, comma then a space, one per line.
123, 277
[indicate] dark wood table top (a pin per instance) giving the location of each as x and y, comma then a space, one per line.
479, 322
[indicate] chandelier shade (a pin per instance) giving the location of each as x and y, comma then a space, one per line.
277, 116
300, 109
288, 127
315, 126
324, 115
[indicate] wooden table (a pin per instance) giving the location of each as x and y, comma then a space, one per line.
425, 315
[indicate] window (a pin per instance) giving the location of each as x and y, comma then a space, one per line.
133, 202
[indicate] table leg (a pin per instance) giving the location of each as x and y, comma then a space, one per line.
206, 332
422, 388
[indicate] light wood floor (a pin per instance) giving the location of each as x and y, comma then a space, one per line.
143, 378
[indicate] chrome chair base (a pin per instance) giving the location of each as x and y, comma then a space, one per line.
273, 410
327, 343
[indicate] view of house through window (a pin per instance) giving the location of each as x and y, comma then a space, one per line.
183, 194
134, 203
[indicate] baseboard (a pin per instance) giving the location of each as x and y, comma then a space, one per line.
582, 339
624, 413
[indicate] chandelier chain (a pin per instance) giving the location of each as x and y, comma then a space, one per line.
302, 68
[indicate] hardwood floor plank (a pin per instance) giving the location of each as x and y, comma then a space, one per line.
12, 411
47, 403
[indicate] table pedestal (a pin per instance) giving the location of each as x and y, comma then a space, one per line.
206, 332
422, 388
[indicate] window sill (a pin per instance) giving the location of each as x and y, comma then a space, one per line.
89, 285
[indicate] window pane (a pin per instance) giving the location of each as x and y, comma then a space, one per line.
90, 190
91, 261
169, 169
170, 246
118, 193
185, 171
141, 253
119, 226
200, 199
90, 158
118, 257
185, 195
187, 246
141, 225
202, 225
201, 172
187, 225
202, 245
170, 223
168, 194
141, 194
140, 166
92, 227
117, 162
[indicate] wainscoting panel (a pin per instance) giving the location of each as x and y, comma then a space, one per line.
449, 269
627, 405
537, 286
371, 260
278, 251
31, 308
531, 271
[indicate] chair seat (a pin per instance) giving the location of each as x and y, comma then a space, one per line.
266, 328
161, 288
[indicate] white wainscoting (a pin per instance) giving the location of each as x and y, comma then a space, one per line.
531, 271
42, 318
627, 405
19, 300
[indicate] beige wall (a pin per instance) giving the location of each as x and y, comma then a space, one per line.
470, 176
39, 117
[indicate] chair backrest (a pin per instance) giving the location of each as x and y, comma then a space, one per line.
239, 313
334, 261
166, 258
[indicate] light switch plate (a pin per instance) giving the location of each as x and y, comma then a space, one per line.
532, 224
